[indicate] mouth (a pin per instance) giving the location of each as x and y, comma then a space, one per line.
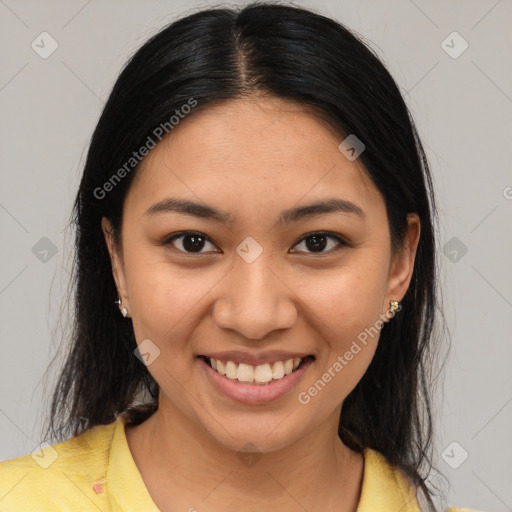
261, 375
253, 385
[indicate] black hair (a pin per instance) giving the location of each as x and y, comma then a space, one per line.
216, 55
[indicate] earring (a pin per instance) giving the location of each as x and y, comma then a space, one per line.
124, 311
393, 305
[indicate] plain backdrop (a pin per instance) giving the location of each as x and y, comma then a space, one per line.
452, 62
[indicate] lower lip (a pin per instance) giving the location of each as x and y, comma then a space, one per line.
254, 394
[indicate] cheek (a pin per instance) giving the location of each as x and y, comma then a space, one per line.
345, 307
345, 319
345, 300
167, 300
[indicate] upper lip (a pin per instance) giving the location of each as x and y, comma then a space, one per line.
270, 356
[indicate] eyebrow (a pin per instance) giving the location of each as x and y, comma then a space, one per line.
187, 207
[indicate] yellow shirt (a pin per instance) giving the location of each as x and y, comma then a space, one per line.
95, 471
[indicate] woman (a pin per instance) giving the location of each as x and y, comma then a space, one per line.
255, 283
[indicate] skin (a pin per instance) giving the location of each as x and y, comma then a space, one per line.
253, 158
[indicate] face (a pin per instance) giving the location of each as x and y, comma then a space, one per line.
251, 284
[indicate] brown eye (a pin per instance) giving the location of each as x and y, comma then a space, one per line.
190, 241
318, 241
193, 242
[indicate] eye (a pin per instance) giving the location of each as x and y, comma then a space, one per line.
318, 241
191, 241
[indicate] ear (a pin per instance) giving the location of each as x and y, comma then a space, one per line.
117, 263
403, 262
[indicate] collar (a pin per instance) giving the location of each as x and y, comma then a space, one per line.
128, 492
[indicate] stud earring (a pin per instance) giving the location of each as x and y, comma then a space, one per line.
123, 310
393, 305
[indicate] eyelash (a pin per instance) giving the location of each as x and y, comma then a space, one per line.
342, 242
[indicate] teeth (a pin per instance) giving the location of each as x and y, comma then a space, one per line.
260, 374
245, 373
288, 366
231, 370
278, 370
220, 367
263, 373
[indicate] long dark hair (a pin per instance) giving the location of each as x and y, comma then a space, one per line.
219, 54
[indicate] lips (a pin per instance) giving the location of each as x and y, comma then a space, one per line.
253, 393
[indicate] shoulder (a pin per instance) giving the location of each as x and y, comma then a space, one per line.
384, 479
67, 470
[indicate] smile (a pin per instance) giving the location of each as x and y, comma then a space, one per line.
253, 385
261, 374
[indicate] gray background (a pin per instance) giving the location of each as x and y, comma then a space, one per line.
462, 107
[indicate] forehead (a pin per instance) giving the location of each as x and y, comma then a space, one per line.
254, 151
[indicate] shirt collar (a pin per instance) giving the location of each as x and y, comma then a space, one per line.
127, 490
385, 488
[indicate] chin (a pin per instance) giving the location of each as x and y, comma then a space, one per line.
254, 434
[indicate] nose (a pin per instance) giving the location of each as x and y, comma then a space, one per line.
254, 300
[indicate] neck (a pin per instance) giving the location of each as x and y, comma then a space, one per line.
179, 462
